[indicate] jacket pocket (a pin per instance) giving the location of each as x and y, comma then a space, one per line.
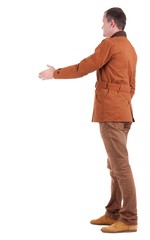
101, 93
125, 96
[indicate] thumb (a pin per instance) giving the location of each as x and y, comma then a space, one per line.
48, 66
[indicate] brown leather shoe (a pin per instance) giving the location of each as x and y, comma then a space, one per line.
104, 220
119, 227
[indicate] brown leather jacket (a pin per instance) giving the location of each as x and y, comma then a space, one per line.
115, 61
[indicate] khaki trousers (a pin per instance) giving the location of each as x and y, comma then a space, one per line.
122, 204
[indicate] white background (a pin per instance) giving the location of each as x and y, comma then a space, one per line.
53, 175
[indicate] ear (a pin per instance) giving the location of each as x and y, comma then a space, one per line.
113, 24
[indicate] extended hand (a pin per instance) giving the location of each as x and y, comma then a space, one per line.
47, 74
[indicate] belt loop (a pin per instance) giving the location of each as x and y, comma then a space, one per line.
108, 87
119, 89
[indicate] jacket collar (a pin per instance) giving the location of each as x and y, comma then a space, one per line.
119, 34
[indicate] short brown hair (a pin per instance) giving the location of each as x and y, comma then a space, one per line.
117, 15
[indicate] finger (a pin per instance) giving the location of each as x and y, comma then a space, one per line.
49, 66
41, 75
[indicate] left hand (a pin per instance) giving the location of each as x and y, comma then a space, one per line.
47, 74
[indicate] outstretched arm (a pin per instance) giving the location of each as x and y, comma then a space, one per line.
47, 74
90, 64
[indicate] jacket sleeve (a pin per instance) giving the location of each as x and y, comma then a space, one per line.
90, 64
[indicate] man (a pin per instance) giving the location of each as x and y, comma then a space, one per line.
115, 61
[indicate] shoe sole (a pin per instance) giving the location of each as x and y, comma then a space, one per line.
128, 231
